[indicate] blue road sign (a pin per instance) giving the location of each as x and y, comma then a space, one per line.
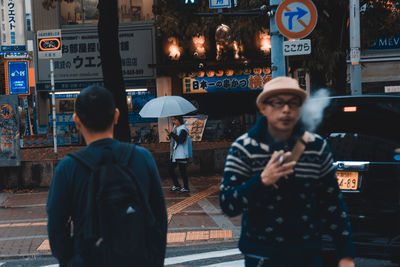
18, 78
220, 4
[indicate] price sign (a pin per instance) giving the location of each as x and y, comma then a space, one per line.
297, 47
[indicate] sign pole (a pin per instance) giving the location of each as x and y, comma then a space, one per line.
278, 66
355, 67
53, 105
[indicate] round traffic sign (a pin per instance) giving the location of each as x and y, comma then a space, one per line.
296, 18
6, 111
49, 44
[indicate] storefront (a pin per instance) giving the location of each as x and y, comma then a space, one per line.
228, 98
380, 69
67, 134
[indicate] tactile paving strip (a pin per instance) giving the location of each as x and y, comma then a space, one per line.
187, 202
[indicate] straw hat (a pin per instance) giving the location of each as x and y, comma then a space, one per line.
281, 85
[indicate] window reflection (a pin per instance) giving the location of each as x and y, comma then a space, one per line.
85, 11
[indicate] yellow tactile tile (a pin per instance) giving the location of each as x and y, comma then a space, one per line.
44, 246
23, 224
176, 237
198, 235
187, 202
221, 234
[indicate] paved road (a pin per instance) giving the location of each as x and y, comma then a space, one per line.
198, 233
192, 217
222, 254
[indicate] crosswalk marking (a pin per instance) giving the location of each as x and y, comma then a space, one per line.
201, 256
238, 263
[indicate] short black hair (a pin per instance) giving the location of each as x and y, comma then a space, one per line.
180, 119
95, 108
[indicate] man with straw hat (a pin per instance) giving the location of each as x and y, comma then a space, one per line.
281, 179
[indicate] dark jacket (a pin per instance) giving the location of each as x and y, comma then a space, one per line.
288, 221
69, 187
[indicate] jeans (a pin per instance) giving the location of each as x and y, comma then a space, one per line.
254, 261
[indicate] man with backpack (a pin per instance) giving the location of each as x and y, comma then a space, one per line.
106, 205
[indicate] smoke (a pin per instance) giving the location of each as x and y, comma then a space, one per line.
313, 109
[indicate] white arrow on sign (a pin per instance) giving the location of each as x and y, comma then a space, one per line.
297, 47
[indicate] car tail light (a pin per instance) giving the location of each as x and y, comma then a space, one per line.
350, 109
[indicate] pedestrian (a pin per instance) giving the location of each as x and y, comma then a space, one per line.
180, 152
96, 216
281, 179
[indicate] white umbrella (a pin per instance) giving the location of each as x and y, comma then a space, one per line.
166, 106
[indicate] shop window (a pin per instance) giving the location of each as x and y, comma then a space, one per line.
85, 11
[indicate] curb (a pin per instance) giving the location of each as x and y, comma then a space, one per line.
28, 255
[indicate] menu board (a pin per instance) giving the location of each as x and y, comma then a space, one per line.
196, 125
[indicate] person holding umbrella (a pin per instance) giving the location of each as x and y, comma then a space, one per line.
180, 152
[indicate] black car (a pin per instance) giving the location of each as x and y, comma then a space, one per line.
364, 135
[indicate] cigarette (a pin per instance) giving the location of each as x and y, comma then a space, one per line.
281, 158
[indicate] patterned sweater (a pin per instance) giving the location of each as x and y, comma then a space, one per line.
288, 220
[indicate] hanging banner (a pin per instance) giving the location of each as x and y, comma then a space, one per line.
224, 83
12, 26
9, 131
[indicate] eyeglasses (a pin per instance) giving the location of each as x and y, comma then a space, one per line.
278, 103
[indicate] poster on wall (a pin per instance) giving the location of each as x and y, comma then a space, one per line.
9, 131
196, 125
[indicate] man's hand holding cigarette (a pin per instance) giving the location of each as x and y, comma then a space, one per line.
277, 167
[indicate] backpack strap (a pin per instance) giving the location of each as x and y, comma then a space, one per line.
84, 158
125, 153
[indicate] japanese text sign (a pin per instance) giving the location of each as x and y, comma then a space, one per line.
17, 77
81, 62
12, 25
224, 83
297, 47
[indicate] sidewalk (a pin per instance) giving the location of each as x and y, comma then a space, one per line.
193, 218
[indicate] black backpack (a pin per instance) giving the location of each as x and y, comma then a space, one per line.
119, 228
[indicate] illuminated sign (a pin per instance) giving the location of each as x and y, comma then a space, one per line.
224, 83
17, 77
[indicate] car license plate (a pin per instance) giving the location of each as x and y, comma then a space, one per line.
347, 180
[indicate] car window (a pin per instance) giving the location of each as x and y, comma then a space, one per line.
362, 129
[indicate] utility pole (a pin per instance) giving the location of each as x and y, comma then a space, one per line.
278, 65
355, 50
